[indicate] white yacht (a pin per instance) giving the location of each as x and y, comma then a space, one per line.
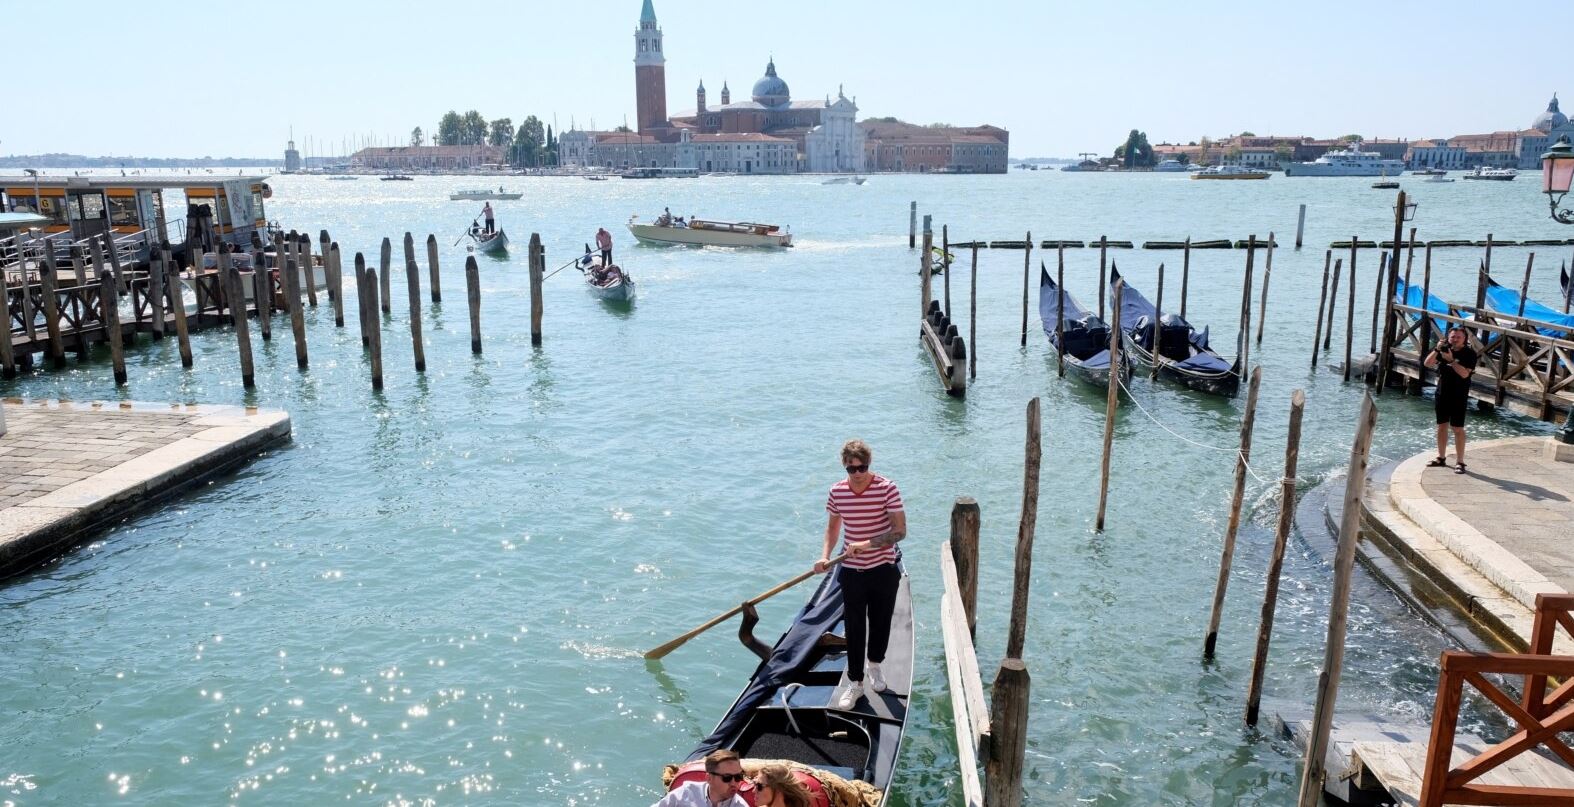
1170, 166
1499, 174
1348, 162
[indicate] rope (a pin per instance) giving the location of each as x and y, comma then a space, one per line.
1240, 456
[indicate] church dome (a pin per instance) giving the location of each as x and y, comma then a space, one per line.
1546, 121
770, 90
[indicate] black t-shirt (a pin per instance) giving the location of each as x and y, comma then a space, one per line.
1448, 381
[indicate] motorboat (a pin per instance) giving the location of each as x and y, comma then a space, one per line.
1346, 162
1229, 172
397, 178
1437, 178
343, 178
1498, 174
706, 233
1428, 172
478, 195
845, 181
1170, 167
660, 173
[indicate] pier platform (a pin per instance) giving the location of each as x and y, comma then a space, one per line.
68, 468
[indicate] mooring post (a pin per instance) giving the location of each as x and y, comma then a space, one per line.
1267, 273
1300, 225
1158, 314
1008, 714
155, 296
1027, 272
182, 329
1322, 301
325, 244
7, 350
412, 277
473, 293
537, 270
1383, 361
1333, 303
229, 277
1060, 308
964, 553
1313, 770
1103, 250
1281, 538
431, 264
384, 271
972, 319
1185, 274
1503, 350
48, 281
1377, 297
1237, 498
1349, 314
912, 224
363, 300
109, 314
945, 265
1426, 316
1481, 278
336, 283
122, 279
1112, 398
374, 325
303, 252
292, 290
1243, 341
924, 268
1022, 575
262, 294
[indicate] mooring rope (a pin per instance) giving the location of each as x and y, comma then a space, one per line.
1239, 455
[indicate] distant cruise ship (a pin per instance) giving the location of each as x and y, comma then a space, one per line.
1347, 163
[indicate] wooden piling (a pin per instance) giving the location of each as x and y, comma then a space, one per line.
336, 283
324, 246
156, 296
1300, 225
537, 270
1377, 295
373, 320
473, 293
79, 265
1185, 274
178, 305
1112, 398
945, 265
1027, 272
1322, 300
1313, 770
1281, 538
109, 312
1237, 498
262, 293
384, 271
1060, 307
235, 298
1502, 365
1568, 290
303, 254
121, 280
48, 280
1426, 319
1267, 274
292, 291
972, 318
1481, 277
1333, 303
7, 350
432, 270
1103, 251
912, 224
1158, 315
363, 300
1349, 314
1022, 575
1008, 712
1244, 345
412, 276
924, 272
964, 553
1388, 309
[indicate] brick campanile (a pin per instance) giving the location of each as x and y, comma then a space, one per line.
650, 72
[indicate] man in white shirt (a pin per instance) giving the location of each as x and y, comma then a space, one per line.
723, 774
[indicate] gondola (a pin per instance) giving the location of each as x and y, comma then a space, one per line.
613, 285
1184, 353
1508, 301
1086, 337
785, 712
493, 243
1563, 283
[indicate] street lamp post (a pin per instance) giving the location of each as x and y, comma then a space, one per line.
1557, 172
38, 208
1404, 210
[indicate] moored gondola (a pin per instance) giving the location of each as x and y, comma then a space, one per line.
786, 711
1509, 301
1084, 336
1183, 353
1567, 287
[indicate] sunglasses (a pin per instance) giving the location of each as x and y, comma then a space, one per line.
729, 778
858, 469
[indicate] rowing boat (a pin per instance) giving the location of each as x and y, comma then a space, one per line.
495, 243
613, 285
786, 711
1084, 335
1183, 355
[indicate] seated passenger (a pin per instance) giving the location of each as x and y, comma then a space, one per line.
778, 786
723, 774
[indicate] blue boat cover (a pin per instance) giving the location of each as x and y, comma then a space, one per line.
1412, 297
1136, 317
1506, 300
788, 657
1080, 323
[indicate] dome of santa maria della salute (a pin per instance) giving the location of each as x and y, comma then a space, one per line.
1546, 121
771, 90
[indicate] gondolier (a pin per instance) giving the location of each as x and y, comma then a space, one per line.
486, 213
604, 243
867, 509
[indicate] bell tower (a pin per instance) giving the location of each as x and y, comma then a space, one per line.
650, 72
699, 99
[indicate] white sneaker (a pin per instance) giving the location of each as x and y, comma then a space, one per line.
873, 680
849, 697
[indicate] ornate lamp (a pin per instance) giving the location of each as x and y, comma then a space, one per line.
1410, 210
1557, 170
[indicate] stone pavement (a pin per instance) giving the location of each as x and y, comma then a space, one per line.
1490, 539
68, 467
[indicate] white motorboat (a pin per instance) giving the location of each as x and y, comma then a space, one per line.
1348, 162
1498, 174
705, 233
1230, 172
845, 181
1437, 178
478, 195
1170, 166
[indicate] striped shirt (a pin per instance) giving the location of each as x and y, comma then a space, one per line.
864, 516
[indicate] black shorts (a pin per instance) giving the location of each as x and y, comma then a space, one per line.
1451, 409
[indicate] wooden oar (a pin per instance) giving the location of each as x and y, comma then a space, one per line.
473, 223
736, 609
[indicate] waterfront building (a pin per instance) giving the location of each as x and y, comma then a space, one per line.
893, 145
427, 158
1440, 153
1543, 132
292, 158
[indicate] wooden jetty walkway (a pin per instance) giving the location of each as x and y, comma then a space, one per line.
69, 468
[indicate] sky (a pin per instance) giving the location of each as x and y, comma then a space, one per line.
155, 79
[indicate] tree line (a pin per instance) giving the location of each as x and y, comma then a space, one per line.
531, 145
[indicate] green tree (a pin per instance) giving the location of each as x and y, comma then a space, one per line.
450, 130
550, 158
622, 129
502, 132
1248, 134
472, 130
1352, 138
417, 137
529, 142
1206, 154
1135, 152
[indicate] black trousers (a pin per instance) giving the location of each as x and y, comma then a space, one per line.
869, 597
491, 224
606, 256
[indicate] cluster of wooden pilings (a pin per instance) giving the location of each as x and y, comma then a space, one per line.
236, 289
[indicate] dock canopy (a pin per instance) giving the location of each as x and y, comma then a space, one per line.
132, 207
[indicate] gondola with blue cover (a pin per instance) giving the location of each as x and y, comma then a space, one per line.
1183, 353
1080, 338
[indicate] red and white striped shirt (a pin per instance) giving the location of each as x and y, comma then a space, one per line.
864, 516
